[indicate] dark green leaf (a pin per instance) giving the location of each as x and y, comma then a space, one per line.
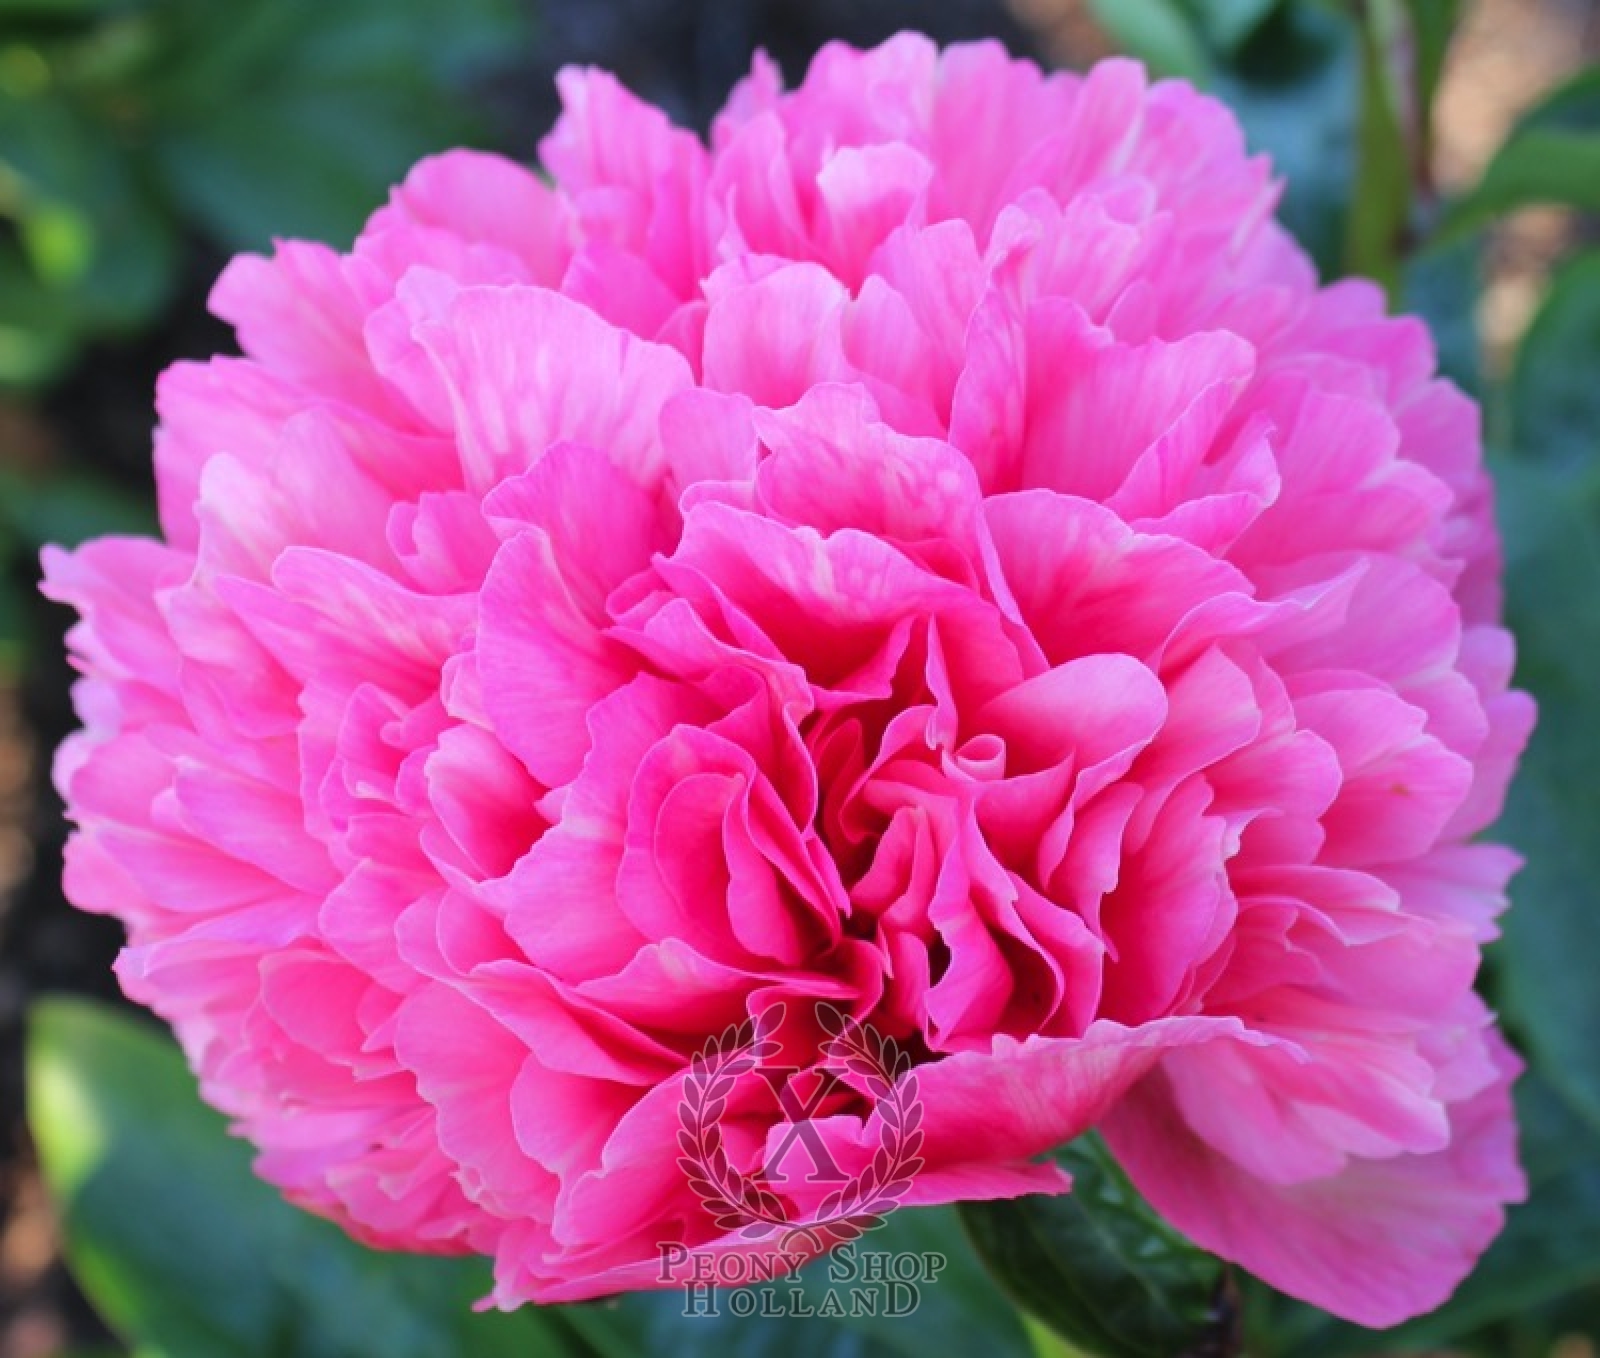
670, 1325
1553, 569
290, 117
1159, 32
1290, 85
1441, 286
95, 241
1098, 1265
273, 46
325, 164
108, 67
1550, 509
1555, 399
183, 1249
69, 508
1544, 165
661, 1325
15, 613
1552, 157
38, 332
1433, 24
1229, 24
959, 1312
52, 9
1573, 105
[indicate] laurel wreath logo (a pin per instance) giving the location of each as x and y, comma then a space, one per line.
748, 1203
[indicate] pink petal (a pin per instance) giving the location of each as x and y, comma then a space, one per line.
1379, 1242
526, 369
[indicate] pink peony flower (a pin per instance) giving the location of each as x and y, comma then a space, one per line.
936, 551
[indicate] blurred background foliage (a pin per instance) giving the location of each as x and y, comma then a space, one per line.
128, 127
138, 137
1448, 148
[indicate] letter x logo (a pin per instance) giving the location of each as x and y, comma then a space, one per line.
799, 1114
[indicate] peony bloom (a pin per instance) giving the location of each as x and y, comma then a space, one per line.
936, 551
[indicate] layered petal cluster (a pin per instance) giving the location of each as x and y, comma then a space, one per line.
934, 550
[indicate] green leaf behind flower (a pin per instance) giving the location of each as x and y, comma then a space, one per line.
1099, 1266
961, 1312
186, 1253
1552, 157
281, 119
1554, 400
1161, 33
1550, 512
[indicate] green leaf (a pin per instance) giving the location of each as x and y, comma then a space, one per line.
1543, 165
96, 244
1229, 24
1550, 511
310, 164
38, 332
15, 619
1290, 86
186, 1252
1047, 1343
1574, 104
668, 1325
1433, 24
293, 117
1442, 287
959, 1311
1159, 32
1552, 157
1554, 398
70, 508
1099, 1266
55, 9
1553, 570
59, 241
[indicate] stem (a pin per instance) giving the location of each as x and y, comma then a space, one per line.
1380, 205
